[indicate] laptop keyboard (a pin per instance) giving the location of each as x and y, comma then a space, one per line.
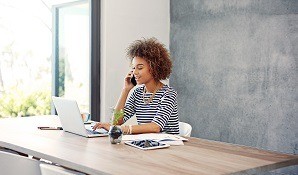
92, 132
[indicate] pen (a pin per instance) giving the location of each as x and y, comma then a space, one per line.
49, 128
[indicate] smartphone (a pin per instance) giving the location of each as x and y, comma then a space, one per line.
133, 80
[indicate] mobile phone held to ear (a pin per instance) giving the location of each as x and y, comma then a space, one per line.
133, 80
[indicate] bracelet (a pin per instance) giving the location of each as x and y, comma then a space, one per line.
123, 129
130, 129
127, 131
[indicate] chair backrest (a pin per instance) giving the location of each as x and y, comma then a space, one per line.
47, 169
16, 164
184, 129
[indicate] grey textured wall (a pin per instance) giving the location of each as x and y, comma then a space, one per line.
235, 70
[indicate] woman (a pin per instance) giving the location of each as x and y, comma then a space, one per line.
154, 103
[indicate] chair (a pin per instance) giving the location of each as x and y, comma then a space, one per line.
16, 164
47, 169
184, 129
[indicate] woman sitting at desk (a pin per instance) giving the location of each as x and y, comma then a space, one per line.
154, 103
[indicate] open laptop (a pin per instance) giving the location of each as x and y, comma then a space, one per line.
71, 120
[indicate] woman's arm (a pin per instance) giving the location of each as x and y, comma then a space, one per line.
139, 129
124, 94
132, 129
121, 103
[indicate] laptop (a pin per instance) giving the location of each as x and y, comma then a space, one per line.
71, 119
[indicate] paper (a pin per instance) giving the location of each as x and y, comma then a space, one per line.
163, 138
172, 142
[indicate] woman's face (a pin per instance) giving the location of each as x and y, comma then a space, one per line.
141, 70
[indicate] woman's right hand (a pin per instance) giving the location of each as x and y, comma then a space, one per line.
98, 125
127, 83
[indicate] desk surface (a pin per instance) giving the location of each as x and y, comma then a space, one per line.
98, 156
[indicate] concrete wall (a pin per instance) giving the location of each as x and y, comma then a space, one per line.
124, 21
235, 70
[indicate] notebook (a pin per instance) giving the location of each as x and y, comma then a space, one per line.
71, 120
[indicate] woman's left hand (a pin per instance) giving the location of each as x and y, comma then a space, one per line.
106, 126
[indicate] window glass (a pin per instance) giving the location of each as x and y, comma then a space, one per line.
26, 55
73, 58
25, 58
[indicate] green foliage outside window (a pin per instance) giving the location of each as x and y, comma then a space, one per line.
17, 103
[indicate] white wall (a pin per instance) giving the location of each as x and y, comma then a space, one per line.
124, 21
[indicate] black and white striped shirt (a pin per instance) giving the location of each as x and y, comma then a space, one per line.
162, 110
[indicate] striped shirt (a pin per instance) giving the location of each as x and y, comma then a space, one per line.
162, 110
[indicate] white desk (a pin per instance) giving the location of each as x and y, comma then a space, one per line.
98, 156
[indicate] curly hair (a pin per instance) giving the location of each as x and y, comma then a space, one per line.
155, 54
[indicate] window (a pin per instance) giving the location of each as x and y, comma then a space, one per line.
72, 52
76, 53
25, 58
48, 49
